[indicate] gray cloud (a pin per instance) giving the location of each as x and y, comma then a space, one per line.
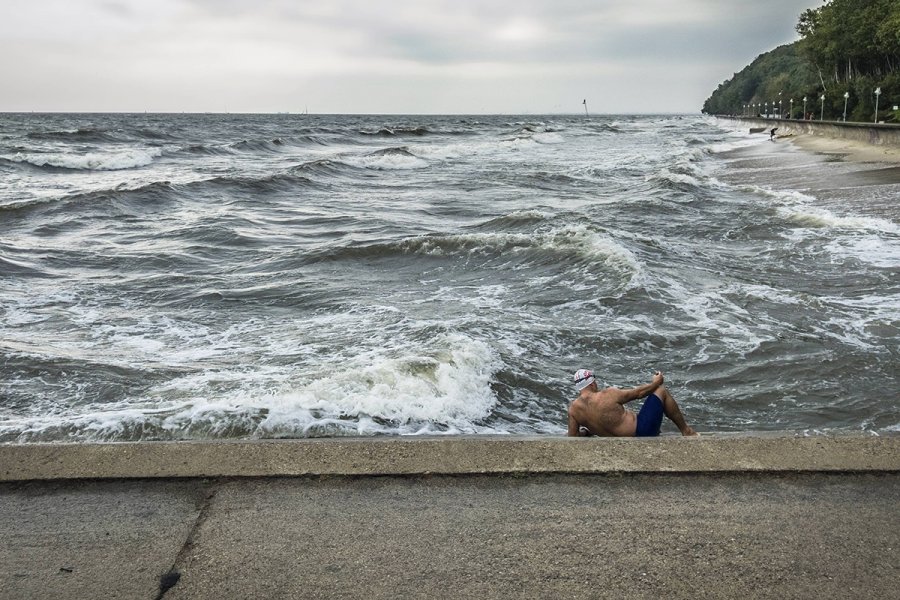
364, 56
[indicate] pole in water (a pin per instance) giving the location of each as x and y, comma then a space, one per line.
585, 106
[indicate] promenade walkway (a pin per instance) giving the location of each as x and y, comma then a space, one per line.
772, 516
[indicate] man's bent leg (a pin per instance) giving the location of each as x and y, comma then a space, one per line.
670, 407
650, 417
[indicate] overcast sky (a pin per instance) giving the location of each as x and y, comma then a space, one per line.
370, 56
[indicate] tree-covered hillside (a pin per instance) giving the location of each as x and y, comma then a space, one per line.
777, 75
846, 46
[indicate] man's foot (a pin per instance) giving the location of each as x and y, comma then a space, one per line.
689, 432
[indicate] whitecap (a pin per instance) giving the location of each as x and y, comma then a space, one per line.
871, 249
386, 162
450, 387
810, 216
92, 161
548, 138
443, 388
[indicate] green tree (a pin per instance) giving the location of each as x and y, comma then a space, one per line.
846, 46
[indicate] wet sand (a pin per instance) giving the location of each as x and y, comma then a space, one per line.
848, 177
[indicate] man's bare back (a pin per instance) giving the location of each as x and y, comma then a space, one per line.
603, 412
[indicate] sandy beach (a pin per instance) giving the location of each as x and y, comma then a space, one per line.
850, 142
850, 150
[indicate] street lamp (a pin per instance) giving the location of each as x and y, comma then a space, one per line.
846, 97
767, 110
780, 112
822, 115
804, 108
877, 94
791, 116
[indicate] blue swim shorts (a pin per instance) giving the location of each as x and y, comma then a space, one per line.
649, 420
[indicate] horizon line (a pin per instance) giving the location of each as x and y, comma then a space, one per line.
340, 114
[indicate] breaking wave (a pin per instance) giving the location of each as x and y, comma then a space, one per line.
91, 161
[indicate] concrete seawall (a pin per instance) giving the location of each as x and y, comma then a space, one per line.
881, 134
458, 455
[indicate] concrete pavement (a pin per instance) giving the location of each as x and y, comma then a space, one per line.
807, 531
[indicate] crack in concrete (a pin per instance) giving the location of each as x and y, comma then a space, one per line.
171, 577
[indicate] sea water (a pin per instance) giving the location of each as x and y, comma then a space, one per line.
247, 276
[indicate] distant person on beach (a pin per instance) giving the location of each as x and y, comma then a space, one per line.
603, 412
772, 134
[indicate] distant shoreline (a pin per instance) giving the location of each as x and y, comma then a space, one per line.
854, 142
327, 114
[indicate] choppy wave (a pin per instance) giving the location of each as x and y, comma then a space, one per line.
417, 130
872, 249
208, 150
324, 168
19, 268
91, 161
153, 134
285, 182
810, 216
576, 245
386, 159
608, 128
80, 135
273, 145
445, 390
207, 276
516, 219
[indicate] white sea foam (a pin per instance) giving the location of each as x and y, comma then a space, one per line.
445, 151
716, 319
449, 387
530, 214
792, 197
871, 249
26, 304
768, 293
444, 389
519, 143
386, 161
482, 147
740, 141
549, 138
855, 321
14, 317
93, 161
811, 216
683, 178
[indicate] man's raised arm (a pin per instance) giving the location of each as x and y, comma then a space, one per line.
641, 391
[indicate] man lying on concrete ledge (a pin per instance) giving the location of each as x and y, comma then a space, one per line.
603, 412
